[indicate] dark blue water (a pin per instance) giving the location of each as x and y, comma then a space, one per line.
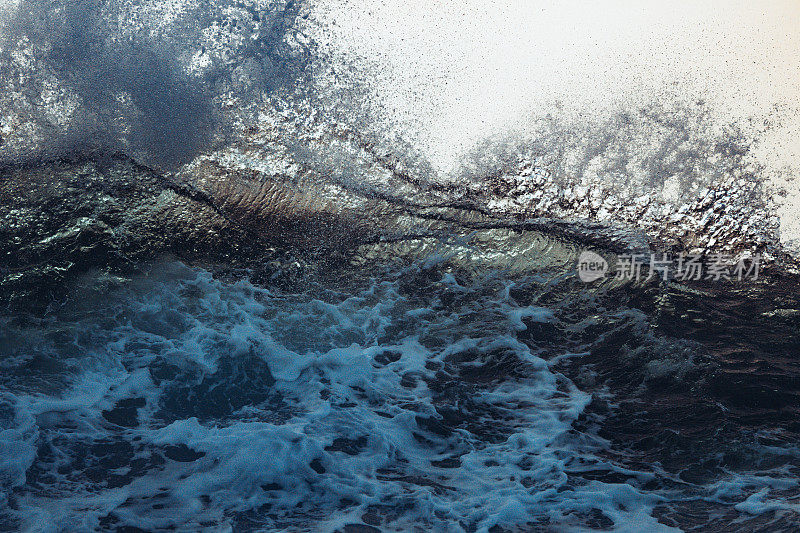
418, 398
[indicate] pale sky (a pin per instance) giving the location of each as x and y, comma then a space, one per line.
452, 73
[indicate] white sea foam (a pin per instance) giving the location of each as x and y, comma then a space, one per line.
354, 420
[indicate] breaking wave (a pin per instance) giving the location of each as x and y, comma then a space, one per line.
421, 377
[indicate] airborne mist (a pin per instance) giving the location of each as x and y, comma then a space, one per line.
152, 81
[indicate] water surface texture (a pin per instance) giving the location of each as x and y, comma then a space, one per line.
419, 399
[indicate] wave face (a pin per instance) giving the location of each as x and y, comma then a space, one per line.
230, 95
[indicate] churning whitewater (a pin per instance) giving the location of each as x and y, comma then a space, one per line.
419, 400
